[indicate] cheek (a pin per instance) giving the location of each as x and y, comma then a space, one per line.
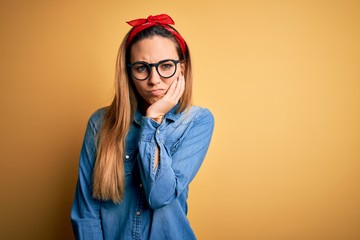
139, 87
169, 81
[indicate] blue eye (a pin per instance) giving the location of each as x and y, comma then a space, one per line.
166, 66
140, 68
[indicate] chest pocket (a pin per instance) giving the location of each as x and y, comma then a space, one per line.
129, 160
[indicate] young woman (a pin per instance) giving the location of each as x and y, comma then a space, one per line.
140, 153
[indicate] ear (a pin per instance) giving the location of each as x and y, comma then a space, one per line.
182, 68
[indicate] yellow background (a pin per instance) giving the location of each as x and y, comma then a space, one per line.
281, 77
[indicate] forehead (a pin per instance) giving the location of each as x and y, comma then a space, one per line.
153, 49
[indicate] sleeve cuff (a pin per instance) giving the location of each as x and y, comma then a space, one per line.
148, 129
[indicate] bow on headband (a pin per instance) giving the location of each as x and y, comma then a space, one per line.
160, 20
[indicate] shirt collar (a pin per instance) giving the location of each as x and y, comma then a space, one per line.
171, 115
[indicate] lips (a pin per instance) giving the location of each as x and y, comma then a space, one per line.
157, 92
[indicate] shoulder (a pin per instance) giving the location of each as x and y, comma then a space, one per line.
98, 114
198, 115
200, 111
96, 119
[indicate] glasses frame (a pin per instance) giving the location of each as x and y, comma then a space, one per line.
149, 66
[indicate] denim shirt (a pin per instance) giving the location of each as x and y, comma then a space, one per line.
154, 204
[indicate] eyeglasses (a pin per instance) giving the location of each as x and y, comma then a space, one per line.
165, 68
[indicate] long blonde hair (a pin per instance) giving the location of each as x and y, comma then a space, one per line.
108, 174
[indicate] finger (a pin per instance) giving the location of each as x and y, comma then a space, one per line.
174, 97
180, 88
172, 88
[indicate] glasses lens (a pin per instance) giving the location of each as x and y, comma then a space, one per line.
140, 71
166, 68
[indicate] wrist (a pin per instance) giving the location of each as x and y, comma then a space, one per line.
153, 114
158, 118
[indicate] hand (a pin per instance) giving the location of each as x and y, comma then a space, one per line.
169, 100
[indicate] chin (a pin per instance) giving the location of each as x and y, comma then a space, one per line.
153, 100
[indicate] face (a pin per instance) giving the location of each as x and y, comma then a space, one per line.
153, 50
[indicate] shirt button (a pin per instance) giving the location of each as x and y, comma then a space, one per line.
138, 213
140, 185
157, 131
127, 156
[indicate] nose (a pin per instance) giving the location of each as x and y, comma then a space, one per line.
154, 77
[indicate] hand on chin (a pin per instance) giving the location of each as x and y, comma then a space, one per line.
154, 99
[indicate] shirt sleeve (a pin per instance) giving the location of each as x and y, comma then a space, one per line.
177, 168
85, 212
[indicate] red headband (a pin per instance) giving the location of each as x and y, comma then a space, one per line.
160, 20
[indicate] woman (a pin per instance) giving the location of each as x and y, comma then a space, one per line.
141, 152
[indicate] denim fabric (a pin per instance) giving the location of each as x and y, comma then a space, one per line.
154, 205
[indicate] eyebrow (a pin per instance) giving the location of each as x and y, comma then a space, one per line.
154, 62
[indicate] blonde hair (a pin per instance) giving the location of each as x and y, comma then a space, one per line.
108, 174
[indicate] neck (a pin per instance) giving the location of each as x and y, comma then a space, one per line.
142, 106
